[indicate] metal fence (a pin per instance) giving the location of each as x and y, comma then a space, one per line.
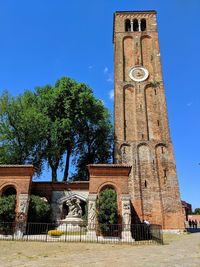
101, 233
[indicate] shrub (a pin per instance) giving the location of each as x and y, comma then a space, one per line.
107, 209
55, 233
39, 210
7, 208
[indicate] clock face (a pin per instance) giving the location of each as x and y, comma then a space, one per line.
138, 74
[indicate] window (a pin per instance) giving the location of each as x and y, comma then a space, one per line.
127, 25
143, 25
135, 25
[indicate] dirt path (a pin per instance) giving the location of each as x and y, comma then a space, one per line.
179, 250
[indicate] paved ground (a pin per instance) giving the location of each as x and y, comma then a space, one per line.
178, 251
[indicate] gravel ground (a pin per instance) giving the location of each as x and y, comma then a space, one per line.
179, 250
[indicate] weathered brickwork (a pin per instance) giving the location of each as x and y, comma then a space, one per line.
19, 178
110, 175
142, 137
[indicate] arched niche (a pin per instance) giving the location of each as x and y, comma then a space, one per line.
62, 208
162, 164
152, 114
147, 50
146, 178
130, 113
125, 153
129, 56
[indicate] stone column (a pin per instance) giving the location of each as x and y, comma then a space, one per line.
139, 25
92, 215
21, 217
126, 218
131, 25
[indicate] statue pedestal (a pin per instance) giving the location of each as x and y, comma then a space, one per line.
127, 237
70, 224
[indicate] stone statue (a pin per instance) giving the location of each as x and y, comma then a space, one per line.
91, 213
74, 208
126, 215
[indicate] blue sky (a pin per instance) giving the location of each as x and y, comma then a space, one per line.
43, 40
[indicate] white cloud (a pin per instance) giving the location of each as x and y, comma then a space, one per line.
105, 70
111, 94
189, 104
110, 79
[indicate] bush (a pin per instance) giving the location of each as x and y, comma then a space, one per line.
107, 209
39, 210
7, 208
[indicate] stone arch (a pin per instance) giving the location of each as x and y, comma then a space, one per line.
5, 186
108, 184
70, 196
128, 55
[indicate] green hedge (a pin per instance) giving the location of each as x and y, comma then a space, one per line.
39, 210
107, 213
7, 208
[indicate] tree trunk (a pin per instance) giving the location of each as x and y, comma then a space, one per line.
66, 172
54, 174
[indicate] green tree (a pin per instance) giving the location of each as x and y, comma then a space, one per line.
54, 125
21, 131
94, 139
7, 208
39, 210
107, 208
197, 211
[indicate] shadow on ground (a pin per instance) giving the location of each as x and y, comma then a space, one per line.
193, 230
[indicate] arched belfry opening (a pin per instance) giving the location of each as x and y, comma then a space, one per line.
143, 25
127, 25
135, 25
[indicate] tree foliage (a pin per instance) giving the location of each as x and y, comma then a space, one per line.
197, 211
107, 207
7, 208
39, 210
55, 125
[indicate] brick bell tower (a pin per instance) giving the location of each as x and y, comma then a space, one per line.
142, 137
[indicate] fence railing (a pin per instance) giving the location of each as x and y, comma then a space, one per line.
100, 233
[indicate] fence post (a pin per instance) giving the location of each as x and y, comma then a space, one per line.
47, 231
65, 232
27, 232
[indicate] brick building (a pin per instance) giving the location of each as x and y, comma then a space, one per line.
142, 137
144, 174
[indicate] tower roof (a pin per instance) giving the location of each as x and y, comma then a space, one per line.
136, 12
